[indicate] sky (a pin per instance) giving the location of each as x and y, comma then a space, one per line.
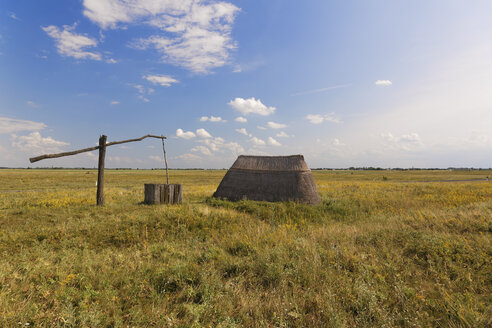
345, 83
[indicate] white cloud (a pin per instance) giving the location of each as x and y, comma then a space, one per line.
243, 131
318, 119
212, 119
164, 80
202, 133
315, 118
197, 50
9, 125
321, 90
273, 125
241, 119
143, 91
273, 142
115, 102
156, 158
234, 147
214, 144
202, 149
184, 135
257, 142
384, 83
282, 134
259, 127
189, 157
195, 34
71, 44
111, 61
34, 142
405, 142
219, 145
251, 106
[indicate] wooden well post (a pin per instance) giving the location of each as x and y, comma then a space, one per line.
100, 170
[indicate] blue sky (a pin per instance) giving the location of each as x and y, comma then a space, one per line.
346, 83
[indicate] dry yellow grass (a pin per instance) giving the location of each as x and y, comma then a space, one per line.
376, 252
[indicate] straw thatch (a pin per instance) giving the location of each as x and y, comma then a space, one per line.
269, 178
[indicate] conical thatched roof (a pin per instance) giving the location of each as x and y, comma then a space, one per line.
269, 178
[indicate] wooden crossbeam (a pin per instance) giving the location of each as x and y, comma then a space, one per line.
75, 152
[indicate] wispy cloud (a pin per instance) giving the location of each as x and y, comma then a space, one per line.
303, 93
72, 45
318, 118
115, 102
202, 149
9, 125
143, 92
243, 131
404, 142
163, 80
13, 16
273, 125
241, 119
214, 119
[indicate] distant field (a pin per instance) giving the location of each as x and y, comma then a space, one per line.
384, 248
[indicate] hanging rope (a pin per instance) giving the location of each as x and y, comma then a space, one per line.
165, 160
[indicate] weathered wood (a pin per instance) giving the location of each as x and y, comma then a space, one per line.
152, 193
172, 194
68, 153
100, 171
178, 194
165, 161
170, 191
156, 193
167, 193
133, 140
75, 152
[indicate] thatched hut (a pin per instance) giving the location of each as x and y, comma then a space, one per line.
269, 178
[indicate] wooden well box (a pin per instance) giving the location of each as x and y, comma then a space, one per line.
163, 193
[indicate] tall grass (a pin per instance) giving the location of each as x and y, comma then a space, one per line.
374, 253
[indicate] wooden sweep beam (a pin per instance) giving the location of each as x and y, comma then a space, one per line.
69, 153
102, 154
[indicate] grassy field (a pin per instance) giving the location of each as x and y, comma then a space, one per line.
378, 252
